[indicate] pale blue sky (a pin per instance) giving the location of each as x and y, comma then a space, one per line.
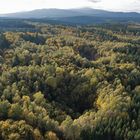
9, 6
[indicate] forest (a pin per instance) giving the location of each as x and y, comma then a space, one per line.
66, 82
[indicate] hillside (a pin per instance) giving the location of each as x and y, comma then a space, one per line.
83, 14
69, 82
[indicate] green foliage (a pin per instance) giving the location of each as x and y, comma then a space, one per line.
70, 83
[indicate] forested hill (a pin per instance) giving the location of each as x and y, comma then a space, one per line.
69, 82
77, 15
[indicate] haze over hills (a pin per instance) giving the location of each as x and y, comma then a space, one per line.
81, 15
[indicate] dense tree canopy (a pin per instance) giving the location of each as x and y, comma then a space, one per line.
70, 83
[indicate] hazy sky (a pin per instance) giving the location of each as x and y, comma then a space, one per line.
8, 6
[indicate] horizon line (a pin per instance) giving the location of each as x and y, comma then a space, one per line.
119, 11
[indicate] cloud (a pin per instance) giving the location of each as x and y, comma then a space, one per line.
94, 1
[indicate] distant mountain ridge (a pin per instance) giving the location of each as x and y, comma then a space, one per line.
70, 15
